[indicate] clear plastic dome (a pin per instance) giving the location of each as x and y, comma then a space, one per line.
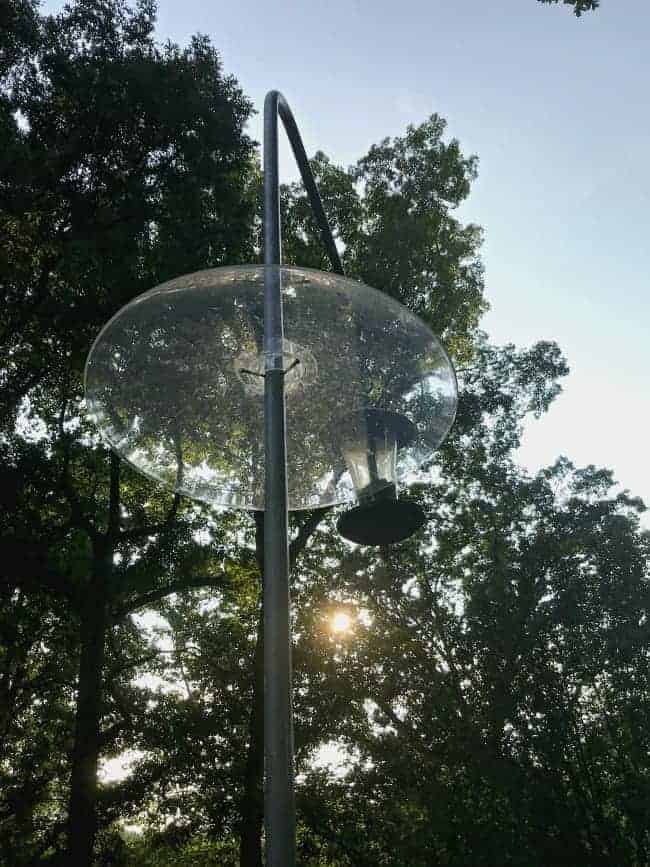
175, 383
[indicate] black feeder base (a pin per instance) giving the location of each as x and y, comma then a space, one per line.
382, 522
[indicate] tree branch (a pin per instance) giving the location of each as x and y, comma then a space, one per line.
114, 498
259, 542
137, 535
155, 529
159, 593
305, 532
36, 574
77, 517
126, 712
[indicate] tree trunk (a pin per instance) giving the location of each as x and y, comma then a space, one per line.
82, 822
252, 809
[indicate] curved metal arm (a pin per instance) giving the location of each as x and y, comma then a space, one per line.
276, 105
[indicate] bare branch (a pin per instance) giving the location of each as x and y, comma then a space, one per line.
305, 532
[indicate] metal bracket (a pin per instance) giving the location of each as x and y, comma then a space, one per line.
276, 103
263, 375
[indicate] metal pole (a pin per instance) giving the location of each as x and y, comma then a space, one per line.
279, 806
279, 802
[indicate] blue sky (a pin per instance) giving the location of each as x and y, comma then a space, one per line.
556, 109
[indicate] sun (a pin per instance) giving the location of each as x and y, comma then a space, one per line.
340, 622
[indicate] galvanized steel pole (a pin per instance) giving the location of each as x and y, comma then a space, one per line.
279, 803
279, 806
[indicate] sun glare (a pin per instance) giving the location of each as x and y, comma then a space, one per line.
340, 622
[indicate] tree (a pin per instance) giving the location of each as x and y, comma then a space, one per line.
37, 656
125, 162
497, 669
502, 664
393, 213
579, 6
